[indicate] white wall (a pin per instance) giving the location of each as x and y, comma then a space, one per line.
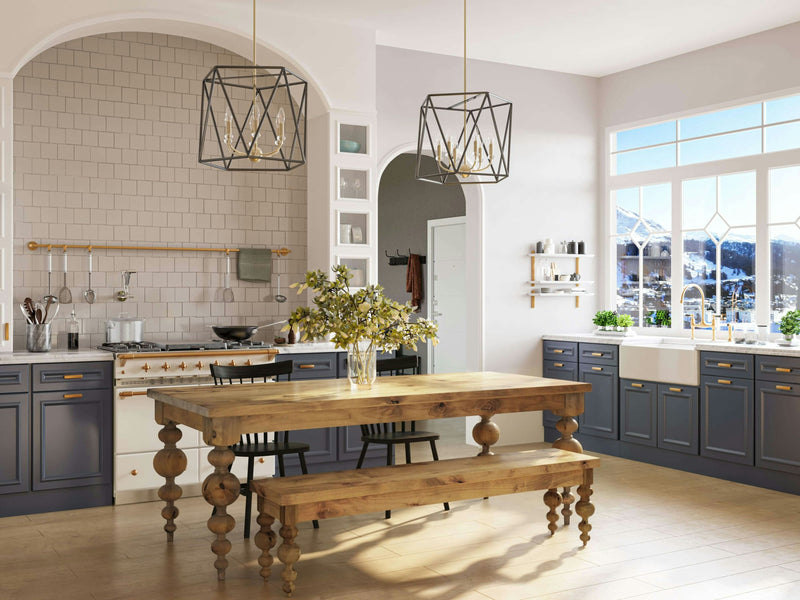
551, 193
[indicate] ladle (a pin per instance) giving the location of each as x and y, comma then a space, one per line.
49, 296
280, 298
64, 294
227, 293
89, 293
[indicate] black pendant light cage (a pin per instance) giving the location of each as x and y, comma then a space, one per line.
236, 90
483, 118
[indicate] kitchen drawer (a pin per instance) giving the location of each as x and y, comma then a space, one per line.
72, 376
555, 350
784, 369
726, 364
135, 429
136, 472
556, 369
313, 365
15, 379
598, 354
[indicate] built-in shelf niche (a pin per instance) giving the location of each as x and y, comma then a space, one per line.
353, 139
359, 268
353, 184
353, 228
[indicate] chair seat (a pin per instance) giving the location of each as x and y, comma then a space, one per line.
269, 448
400, 437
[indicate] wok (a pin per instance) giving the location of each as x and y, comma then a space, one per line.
240, 333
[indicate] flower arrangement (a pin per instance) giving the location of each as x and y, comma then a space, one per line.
361, 321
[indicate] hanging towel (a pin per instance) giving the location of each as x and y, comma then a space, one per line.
414, 280
254, 264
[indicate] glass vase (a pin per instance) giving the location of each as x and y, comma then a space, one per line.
361, 358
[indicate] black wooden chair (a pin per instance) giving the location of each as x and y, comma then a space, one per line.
403, 432
254, 445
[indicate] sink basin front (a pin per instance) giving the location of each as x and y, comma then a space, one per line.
660, 360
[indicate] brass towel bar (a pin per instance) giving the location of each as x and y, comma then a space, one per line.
90, 247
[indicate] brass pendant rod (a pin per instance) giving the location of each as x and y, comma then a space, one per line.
465, 75
36, 245
254, 55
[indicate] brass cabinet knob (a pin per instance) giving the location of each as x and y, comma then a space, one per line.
165, 366
261, 460
134, 472
146, 367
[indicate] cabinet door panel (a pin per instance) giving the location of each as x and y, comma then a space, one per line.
15, 430
777, 427
600, 416
637, 412
322, 442
71, 439
678, 418
556, 369
726, 419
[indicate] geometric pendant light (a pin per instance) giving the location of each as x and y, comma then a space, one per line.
467, 133
237, 132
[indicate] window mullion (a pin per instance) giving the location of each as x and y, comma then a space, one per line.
763, 275
676, 260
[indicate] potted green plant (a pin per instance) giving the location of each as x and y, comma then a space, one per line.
624, 322
361, 321
605, 320
790, 325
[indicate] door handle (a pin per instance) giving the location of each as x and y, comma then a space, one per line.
724, 381
597, 368
784, 388
782, 370
558, 364
637, 385
672, 389
724, 365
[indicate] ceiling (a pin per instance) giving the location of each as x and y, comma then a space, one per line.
586, 37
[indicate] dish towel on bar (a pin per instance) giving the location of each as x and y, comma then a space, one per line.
414, 279
254, 264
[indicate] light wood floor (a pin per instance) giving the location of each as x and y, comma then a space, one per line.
657, 534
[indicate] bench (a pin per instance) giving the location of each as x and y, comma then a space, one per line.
336, 494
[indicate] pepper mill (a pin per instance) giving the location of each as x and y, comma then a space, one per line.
581, 247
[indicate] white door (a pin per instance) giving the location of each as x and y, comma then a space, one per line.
447, 298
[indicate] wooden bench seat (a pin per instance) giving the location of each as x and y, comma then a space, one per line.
335, 494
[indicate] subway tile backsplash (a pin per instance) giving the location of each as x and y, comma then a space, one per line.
105, 145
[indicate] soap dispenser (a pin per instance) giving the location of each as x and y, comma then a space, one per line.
73, 331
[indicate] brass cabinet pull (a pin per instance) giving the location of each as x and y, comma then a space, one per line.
725, 365
128, 394
597, 368
597, 354
672, 389
637, 385
306, 366
558, 364
75, 376
558, 351
782, 370
68, 396
725, 381
785, 388
8, 331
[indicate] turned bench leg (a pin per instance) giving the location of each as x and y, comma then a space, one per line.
567, 498
584, 507
265, 540
288, 553
553, 500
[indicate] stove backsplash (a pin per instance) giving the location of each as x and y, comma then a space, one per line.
105, 146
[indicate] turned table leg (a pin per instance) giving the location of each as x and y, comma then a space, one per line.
486, 433
169, 462
566, 426
220, 489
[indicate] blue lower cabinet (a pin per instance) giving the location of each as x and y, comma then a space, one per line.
556, 369
726, 419
678, 418
778, 426
638, 402
600, 416
14, 443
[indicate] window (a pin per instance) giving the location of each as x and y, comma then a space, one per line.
711, 199
735, 132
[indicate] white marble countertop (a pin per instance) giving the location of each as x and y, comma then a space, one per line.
55, 356
768, 348
302, 348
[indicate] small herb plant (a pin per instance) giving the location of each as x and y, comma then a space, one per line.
790, 323
624, 321
605, 318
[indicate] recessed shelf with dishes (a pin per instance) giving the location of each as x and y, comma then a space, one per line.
353, 139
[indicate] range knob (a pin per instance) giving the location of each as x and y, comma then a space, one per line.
248, 362
165, 366
146, 368
182, 366
232, 363
199, 365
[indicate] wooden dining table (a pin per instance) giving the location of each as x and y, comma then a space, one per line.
223, 413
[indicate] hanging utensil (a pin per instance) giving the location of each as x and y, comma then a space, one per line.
49, 276
227, 293
89, 294
64, 294
280, 298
